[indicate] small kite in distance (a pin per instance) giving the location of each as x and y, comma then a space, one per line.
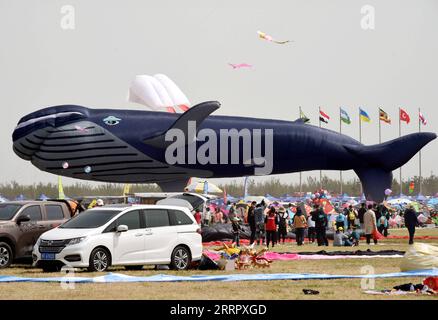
240, 65
267, 37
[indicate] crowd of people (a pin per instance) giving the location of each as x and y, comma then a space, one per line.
269, 225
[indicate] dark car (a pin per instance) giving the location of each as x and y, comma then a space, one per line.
21, 224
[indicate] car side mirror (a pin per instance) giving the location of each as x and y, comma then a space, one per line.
23, 218
122, 228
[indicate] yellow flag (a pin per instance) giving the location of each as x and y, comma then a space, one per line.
61, 194
126, 189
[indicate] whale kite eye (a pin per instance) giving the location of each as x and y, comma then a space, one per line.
111, 120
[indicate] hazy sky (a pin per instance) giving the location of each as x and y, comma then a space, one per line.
332, 62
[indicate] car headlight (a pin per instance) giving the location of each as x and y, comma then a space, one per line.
75, 241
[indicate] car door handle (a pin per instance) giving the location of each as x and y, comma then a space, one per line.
139, 234
148, 233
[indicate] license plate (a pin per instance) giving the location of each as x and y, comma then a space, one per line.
47, 256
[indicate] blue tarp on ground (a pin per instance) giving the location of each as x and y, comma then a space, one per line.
118, 277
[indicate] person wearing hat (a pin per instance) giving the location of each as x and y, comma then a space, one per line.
411, 222
99, 203
340, 239
236, 230
282, 224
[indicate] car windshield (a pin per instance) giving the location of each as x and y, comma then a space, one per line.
90, 219
8, 210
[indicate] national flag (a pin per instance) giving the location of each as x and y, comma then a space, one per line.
303, 116
126, 189
422, 119
411, 187
364, 116
61, 194
383, 116
404, 116
205, 191
225, 196
345, 117
322, 119
323, 114
245, 188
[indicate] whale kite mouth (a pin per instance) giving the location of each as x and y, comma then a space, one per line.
49, 117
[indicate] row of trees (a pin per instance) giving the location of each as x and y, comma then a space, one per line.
352, 187
272, 186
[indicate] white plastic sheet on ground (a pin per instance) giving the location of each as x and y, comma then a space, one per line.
421, 256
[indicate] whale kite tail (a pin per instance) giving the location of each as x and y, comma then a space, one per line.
376, 162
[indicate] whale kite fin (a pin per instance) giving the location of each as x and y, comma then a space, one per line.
375, 163
197, 114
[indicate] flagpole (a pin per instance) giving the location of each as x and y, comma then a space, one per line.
320, 171
301, 175
340, 132
399, 135
360, 140
380, 129
419, 154
360, 128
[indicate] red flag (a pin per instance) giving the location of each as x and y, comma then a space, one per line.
322, 113
404, 116
422, 118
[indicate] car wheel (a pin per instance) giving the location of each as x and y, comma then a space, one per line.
99, 260
6, 255
134, 267
181, 258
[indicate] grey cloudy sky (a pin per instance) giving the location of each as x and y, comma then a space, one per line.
332, 63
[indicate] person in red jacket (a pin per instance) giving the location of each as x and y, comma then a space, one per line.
271, 223
197, 216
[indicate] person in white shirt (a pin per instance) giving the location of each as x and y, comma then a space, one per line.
206, 217
311, 232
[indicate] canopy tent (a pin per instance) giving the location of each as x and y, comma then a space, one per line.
3, 199
203, 186
399, 201
420, 197
271, 198
43, 197
20, 197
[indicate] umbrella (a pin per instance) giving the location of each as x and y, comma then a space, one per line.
420, 197
399, 201
202, 186
3, 199
21, 197
271, 198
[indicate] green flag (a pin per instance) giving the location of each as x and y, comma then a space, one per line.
345, 117
303, 116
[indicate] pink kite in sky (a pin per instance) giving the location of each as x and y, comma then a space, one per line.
267, 37
240, 65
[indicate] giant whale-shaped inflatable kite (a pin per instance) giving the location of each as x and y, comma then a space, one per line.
167, 148
130, 146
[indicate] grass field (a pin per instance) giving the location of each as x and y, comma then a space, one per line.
286, 289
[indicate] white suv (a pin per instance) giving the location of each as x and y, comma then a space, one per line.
130, 236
